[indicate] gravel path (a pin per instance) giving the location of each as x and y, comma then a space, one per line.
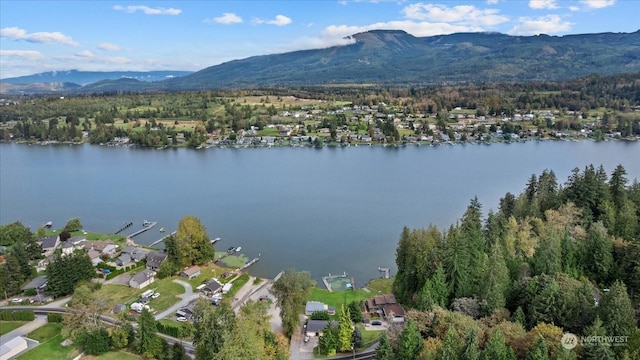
187, 297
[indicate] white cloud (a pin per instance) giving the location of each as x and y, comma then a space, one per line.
492, 2
574, 8
108, 47
148, 10
598, 4
84, 54
226, 18
543, 4
549, 24
280, 20
460, 14
22, 54
15, 33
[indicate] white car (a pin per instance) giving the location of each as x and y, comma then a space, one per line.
155, 295
181, 319
16, 300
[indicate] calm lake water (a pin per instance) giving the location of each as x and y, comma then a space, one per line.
328, 210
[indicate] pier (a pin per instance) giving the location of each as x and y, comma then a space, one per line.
385, 271
255, 260
162, 239
147, 227
126, 225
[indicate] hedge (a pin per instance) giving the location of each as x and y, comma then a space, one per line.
17, 315
54, 318
168, 329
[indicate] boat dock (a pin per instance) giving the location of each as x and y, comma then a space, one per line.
126, 225
162, 239
145, 228
255, 260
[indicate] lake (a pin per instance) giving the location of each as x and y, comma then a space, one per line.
329, 210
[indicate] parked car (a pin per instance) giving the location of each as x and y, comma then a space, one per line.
376, 322
181, 319
155, 295
16, 300
306, 338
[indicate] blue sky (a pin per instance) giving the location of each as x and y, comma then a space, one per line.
37, 36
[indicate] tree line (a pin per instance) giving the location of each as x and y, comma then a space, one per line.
556, 258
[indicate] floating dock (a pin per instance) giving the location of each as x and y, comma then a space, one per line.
126, 225
162, 239
249, 263
148, 226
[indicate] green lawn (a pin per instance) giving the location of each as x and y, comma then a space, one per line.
381, 286
369, 337
233, 261
169, 292
239, 282
118, 294
206, 273
338, 298
50, 349
8, 326
45, 332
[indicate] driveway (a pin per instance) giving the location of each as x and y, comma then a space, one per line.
24, 329
187, 297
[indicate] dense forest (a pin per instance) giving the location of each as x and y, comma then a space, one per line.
555, 259
606, 104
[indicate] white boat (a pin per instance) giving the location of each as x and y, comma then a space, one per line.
161, 229
238, 248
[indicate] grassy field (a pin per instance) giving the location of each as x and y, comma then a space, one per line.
8, 326
45, 332
50, 349
369, 337
206, 273
169, 292
380, 286
118, 294
338, 298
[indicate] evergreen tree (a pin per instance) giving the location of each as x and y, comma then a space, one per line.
472, 233
345, 329
328, 341
212, 327
616, 311
470, 349
458, 264
595, 350
146, 337
495, 281
356, 338
539, 351
450, 349
598, 253
384, 350
519, 317
409, 343
495, 348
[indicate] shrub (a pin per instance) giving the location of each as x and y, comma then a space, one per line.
30, 292
17, 315
320, 315
54, 318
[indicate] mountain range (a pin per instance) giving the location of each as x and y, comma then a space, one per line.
394, 57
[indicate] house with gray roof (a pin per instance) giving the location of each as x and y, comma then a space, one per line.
154, 259
49, 244
142, 279
315, 327
316, 306
123, 260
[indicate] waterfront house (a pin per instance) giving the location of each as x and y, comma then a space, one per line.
142, 279
211, 287
315, 327
123, 260
136, 254
67, 248
191, 272
154, 259
94, 256
316, 306
106, 248
49, 244
386, 306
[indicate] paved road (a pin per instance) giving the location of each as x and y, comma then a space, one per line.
187, 297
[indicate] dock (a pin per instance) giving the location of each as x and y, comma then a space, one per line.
255, 260
147, 227
162, 239
121, 229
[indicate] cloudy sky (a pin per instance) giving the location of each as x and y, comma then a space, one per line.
38, 36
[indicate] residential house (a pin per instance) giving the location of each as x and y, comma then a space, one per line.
211, 287
39, 283
316, 306
135, 253
49, 244
154, 259
315, 327
77, 241
94, 256
67, 248
123, 260
191, 272
106, 248
142, 279
386, 306
11, 348
43, 263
